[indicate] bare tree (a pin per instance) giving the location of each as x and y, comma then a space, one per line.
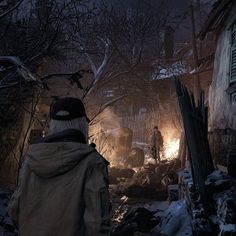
117, 41
35, 35
7, 7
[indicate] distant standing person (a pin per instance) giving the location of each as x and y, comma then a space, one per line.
157, 144
63, 186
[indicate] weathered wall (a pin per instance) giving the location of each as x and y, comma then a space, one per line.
222, 112
220, 143
14, 122
10, 160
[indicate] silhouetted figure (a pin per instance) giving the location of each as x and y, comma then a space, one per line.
157, 144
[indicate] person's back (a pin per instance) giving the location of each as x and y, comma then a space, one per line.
63, 189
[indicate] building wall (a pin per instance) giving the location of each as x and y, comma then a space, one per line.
222, 112
12, 139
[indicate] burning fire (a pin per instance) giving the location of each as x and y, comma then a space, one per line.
171, 149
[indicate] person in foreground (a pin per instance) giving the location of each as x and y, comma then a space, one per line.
63, 186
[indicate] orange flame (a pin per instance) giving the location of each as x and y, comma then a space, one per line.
171, 149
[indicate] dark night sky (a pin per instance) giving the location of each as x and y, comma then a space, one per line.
177, 7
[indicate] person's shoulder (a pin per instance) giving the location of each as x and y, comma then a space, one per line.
96, 158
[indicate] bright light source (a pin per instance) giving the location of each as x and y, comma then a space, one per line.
171, 149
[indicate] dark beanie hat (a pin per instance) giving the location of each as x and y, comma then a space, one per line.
67, 109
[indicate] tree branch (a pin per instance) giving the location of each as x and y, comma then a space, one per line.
104, 106
11, 9
97, 72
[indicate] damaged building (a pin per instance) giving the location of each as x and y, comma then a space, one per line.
221, 25
182, 184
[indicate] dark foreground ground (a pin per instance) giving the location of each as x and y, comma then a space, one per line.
171, 219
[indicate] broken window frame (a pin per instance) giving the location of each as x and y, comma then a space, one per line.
232, 78
232, 82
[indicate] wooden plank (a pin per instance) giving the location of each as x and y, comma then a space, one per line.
195, 123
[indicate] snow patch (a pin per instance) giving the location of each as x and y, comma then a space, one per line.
175, 221
176, 69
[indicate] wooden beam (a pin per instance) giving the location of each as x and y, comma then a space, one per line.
214, 14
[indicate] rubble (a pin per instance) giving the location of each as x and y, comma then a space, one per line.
6, 226
146, 192
228, 230
173, 192
218, 181
202, 226
135, 157
130, 213
137, 220
175, 221
231, 162
221, 191
113, 180
151, 181
226, 206
188, 216
147, 176
145, 183
121, 173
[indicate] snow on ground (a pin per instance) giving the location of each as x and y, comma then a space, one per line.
228, 228
122, 205
175, 221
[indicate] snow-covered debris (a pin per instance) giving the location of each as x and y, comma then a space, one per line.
219, 181
173, 192
186, 186
226, 206
137, 220
175, 221
226, 230
6, 225
222, 187
221, 192
202, 226
176, 69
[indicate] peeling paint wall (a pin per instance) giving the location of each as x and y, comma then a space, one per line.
222, 112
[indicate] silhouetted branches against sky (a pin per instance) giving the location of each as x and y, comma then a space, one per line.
7, 7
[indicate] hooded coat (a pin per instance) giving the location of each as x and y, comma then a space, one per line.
63, 190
